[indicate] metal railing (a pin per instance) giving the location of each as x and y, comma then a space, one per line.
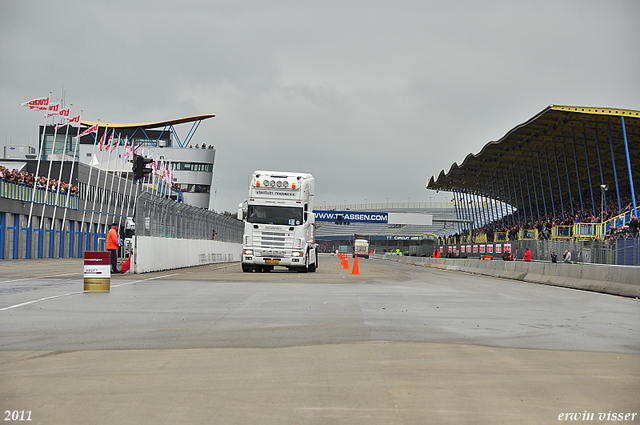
623, 251
384, 206
166, 218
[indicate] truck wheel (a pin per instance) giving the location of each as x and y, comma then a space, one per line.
312, 268
247, 268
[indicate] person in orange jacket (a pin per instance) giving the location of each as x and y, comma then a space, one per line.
112, 246
527, 255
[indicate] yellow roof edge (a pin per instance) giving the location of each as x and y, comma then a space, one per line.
598, 111
150, 124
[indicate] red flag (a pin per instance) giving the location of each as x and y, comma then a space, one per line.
53, 109
102, 139
92, 129
41, 104
126, 265
70, 121
116, 144
63, 113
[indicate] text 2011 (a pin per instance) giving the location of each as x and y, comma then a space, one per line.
17, 415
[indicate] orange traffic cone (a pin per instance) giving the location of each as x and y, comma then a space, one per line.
356, 270
345, 265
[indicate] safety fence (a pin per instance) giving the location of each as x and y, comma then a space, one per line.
23, 192
612, 251
162, 217
23, 236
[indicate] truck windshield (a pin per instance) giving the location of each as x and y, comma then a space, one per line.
284, 216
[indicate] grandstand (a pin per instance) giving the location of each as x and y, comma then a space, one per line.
566, 175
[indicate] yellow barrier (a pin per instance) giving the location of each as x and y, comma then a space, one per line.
561, 233
585, 230
22, 192
501, 237
481, 238
528, 235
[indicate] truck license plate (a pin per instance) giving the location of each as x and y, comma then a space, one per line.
272, 261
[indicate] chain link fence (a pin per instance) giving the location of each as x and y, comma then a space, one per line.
162, 217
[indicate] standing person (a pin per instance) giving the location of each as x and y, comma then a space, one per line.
554, 257
633, 226
527, 255
112, 246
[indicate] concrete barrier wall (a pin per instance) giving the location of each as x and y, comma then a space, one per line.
607, 279
155, 254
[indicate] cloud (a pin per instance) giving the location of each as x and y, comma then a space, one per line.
372, 97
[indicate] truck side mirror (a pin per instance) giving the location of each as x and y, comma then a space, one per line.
240, 212
311, 217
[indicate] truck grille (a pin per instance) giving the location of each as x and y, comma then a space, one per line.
271, 240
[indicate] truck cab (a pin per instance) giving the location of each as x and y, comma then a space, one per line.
279, 225
361, 246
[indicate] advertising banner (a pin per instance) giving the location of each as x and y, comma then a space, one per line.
97, 271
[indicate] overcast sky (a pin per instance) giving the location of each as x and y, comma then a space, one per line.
372, 97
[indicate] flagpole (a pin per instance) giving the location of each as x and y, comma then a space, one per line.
124, 190
133, 181
113, 177
46, 189
86, 194
93, 208
33, 192
103, 198
73, 163
64, 150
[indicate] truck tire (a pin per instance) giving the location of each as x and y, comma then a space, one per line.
305, 268
314, 266
247, 268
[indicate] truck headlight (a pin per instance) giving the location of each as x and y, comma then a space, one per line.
248, 252
297, 254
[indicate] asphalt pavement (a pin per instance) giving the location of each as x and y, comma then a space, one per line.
397, 344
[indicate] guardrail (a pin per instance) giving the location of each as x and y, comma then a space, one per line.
23, 192
385, 205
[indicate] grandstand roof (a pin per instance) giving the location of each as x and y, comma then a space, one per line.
557, 130
148, 125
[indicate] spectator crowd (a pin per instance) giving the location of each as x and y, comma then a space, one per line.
513, 223
29, 179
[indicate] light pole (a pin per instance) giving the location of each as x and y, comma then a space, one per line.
604, 188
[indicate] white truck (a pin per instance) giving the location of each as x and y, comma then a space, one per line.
360, 246
279, 225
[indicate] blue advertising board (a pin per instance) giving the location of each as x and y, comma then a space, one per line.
352, 216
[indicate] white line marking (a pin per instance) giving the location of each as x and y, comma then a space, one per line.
39, 277
80, 292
